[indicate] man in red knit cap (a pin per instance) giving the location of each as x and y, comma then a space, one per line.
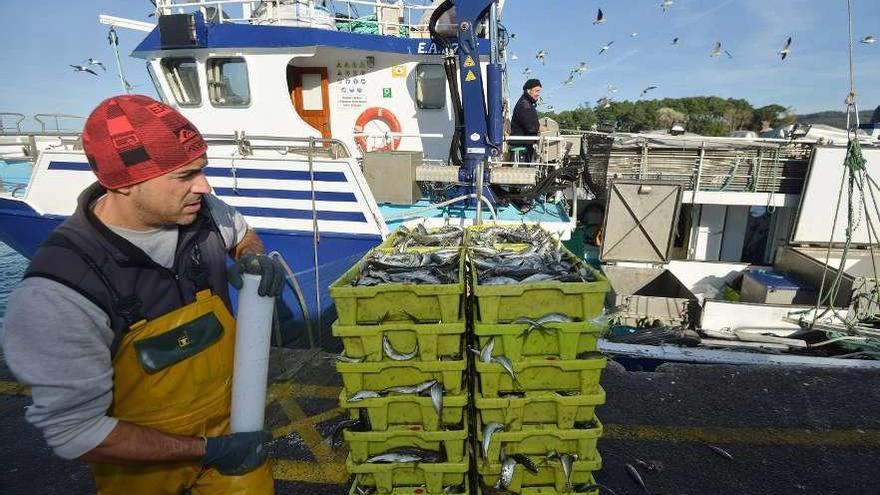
122, 325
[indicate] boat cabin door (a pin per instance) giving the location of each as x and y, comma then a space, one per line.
310, 95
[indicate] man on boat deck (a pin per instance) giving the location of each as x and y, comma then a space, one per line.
122, 325
524, 121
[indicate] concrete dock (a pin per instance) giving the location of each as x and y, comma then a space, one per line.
794, 431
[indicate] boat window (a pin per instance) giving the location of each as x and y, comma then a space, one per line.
228, 82
430, 86
156, 85
183, 79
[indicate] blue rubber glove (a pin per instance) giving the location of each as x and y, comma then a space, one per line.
271, 271
236, 454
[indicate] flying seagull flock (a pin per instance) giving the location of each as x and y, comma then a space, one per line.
717, 51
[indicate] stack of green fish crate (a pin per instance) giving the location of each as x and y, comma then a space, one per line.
538, 368
404, 368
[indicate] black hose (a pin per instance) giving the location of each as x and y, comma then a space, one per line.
456, 152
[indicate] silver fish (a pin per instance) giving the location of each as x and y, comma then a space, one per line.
411, 389
486, 352
508, 466
554, 318
363, 394
538, 277
552, 455
525, 462
567, 460
394, 355
723, 453
634, 473
508, 366
499, 281
437, 398
393, 457
342, 358
488, 431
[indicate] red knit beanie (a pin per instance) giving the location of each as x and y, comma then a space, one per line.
133, 138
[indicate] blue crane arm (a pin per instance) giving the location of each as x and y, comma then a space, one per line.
480, 120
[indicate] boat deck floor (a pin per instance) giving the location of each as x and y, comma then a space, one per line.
790, 431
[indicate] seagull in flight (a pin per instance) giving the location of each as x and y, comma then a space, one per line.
645, 91
716, 52
580, 69
612, 89
569, 81
675, 41
551, 108
633, 34
728, 54
514, 57
94, 61
604, 102
785, 49
868, 40
606, 47
527, 71
600, 17
83, 68
665, 4
541, 57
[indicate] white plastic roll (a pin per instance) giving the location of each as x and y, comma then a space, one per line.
253, 330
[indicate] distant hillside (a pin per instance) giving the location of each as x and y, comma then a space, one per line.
832, 118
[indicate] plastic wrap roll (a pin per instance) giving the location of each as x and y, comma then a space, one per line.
253, 330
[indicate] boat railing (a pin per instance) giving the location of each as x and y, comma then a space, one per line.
58, 119
11, 122
310, 146
387, 18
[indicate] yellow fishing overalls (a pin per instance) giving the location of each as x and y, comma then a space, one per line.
174, 374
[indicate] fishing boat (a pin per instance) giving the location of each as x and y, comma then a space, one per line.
326, 130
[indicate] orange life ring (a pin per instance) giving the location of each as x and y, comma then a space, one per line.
377, 113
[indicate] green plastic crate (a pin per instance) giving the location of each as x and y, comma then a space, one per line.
365, 341
379, 376
542, 374
433, 477
538, 408
388, 412
550, 474
565, 340
505, 303
414, 490
437, 303
544, 490
363, 445
539, 439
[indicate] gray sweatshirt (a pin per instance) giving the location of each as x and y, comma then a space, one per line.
58, 342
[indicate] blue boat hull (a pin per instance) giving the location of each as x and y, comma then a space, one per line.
24, 229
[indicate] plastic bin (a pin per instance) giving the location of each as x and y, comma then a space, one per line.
433, 477
365, 341
539, 439
424, 303
363, 445
505, 303
417, 490
379, 376
542, 374
565, 340
550, 474
546, 490
538, 408
410, 410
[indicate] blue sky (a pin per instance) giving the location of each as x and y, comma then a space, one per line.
812, 78
40, 43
